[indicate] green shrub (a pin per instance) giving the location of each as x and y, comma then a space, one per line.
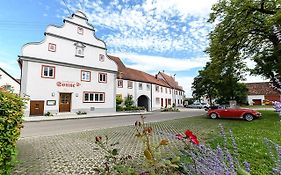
11, 113
129, 102
119, 101
48, 114
81, 113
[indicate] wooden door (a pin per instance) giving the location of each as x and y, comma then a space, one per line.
65, 102
36, 108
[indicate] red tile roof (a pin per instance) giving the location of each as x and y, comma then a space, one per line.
170, 80
136, 75
262, 88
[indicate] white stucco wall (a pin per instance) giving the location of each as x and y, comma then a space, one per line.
7, 80
39, 88
251, 97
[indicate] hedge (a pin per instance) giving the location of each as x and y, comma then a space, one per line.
11, 113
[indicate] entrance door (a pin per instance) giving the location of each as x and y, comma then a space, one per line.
36, 108
162, 102
65, 102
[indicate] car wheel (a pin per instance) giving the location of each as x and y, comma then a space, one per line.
213, 115
249, 117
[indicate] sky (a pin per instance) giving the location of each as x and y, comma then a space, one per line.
148, 35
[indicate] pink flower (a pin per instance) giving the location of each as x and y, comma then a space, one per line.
179, 136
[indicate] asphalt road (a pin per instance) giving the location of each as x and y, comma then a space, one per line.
55, 127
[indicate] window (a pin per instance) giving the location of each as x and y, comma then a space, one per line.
94, 97
48, 71
166, 90
157, 88
157, 100
161, 89
169, 101
130, 84
120, 83
101, 58
102, 77
85, 75
140, 86
80, 30
170, 91
148, 87
51, 47
0, 76
178, 101
79, 49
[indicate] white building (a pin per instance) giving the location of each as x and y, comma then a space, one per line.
8, 82
68, 71
151, 92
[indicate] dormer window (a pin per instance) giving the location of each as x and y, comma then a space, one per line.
101, 58
79, 49
80, 30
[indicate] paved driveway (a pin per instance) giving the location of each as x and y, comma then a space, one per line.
46, 128
61, 147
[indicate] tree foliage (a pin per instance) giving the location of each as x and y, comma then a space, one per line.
11, 113
244, 30
247, 29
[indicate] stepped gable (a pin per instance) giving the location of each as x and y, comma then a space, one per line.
262, 88
171, 81
135, 75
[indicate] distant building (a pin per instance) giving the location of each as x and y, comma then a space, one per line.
8, 82
261, 93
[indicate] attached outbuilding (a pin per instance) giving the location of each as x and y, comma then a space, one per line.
8, 82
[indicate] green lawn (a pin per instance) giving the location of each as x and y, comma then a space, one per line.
249, 136
258, 106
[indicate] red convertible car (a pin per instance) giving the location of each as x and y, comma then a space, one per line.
247, 114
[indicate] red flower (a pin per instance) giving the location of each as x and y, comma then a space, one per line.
194, 139
188, 133
191, 136
179, 136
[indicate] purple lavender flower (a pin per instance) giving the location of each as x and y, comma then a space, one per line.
275, 154
247, 166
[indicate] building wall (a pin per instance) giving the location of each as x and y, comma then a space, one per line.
153, 95
252, 97
47, 89
7, 80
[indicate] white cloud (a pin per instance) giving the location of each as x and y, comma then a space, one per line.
155, 25
151, 63
186, 82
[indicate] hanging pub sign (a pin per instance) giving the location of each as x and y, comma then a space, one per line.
67, 84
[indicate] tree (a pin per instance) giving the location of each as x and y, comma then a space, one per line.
204, 85
247, 29
219, 82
